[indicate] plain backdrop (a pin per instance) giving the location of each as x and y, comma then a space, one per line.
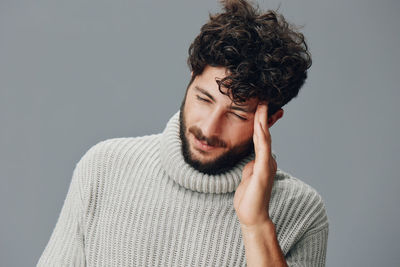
73, 73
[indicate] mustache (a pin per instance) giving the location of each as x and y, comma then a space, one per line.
211, 141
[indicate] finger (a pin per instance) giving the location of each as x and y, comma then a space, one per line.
257, 121
264, 167
256, 117
260, 146
248, 170
256, 132
260, 126
257, 135
263, 118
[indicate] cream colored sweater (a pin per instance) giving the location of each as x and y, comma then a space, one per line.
135, 202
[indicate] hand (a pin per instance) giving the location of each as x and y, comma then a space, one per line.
253, 194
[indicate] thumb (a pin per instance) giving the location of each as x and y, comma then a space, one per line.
248, 169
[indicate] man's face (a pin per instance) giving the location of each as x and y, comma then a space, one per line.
215, 132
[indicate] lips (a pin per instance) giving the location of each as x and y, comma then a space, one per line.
202, 145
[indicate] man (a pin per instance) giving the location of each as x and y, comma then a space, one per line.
206, 191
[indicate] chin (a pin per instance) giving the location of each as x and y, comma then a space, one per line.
204, 156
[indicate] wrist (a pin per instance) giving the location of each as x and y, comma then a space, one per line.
266, 226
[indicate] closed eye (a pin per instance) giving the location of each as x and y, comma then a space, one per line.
208, 101
240, 117
203, 99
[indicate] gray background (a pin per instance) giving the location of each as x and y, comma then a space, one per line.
73, 73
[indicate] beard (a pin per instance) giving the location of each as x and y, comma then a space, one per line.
218, 165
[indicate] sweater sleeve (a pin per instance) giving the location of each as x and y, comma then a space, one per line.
66, 245
311, 246
310, 251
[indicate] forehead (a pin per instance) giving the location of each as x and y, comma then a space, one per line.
206, 83
211, 74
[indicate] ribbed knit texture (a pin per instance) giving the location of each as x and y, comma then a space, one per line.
135, 202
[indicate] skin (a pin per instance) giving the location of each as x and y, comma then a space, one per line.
213, 118
251, 200
208, 113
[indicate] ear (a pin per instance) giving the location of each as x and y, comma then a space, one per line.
275, 117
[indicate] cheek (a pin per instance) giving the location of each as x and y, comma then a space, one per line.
194, 113
241, 134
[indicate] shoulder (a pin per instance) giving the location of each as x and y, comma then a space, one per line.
104, 157
295, 186
297, 210
118, 147
106, 154
303, 203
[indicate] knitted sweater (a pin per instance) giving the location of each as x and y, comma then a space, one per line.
134, 201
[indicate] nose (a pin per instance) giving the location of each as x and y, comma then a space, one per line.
212, 123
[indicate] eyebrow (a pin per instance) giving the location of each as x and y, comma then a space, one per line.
204, 92
246, 110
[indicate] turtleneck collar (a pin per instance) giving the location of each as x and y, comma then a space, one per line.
185, 175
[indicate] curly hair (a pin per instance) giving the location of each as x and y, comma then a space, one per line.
266, 57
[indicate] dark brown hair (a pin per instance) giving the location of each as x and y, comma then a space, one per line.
266, 57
